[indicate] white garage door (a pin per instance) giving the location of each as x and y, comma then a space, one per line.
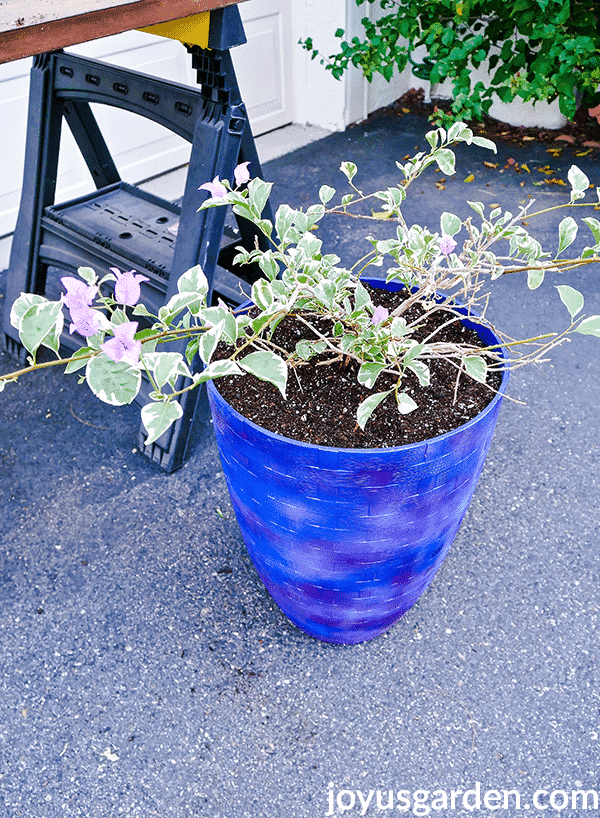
141, 148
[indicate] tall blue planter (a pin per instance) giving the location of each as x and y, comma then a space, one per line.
346, 540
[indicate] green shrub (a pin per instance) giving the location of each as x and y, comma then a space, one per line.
537, 49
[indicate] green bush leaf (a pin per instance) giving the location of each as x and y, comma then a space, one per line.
82, 356
208, 342
484, 143
22, 304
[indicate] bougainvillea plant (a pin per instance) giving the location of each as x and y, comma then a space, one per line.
440, 269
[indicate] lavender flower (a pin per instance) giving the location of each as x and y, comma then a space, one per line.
85, 320
380, 314
241, 174
78, 293
123, 346
216, 189
127, 288
447, 244
78, 299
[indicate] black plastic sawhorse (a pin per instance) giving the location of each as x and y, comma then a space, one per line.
120, 225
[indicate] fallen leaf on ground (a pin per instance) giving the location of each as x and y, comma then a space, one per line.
440, 186
565, 137
591, 143
584, 153
524, 166
555, 182
470, 178
491, 164
529, 139
546, 169
510, 161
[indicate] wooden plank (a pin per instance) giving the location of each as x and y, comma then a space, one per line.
60, 23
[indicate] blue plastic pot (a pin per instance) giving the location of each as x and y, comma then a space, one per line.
346, 540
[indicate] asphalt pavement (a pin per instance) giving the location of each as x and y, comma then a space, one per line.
144, 670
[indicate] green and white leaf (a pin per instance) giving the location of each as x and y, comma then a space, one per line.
208, 342
284, 218
445, 161
476, 367
589, 326
594, 226
82, 357
179, 302
361, 296
482, 142
308, 349
326, 193
40, 325
218, 369
113, 382
258, 194
158, 417
166, 367
369, 372
578, 181
571, 298
193, 281
567, 231
450, 224
22, 304
368, 406
349, 170
405, 403
262, 294
422, 372
477, 207
89, 275
268, 367
535, 277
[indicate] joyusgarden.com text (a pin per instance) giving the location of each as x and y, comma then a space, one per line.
547, 801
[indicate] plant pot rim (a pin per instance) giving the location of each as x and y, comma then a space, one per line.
216, 395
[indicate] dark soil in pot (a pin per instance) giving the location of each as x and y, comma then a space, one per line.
322, 397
